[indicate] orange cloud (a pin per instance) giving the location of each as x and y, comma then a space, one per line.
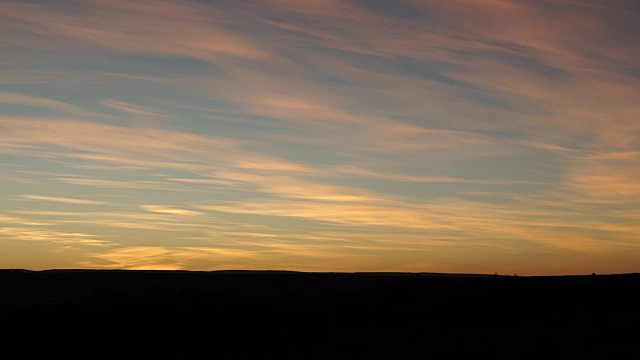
510, 128
63, 200
186, 28
21, 99
169, 210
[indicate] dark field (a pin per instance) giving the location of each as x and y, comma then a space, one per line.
274, 315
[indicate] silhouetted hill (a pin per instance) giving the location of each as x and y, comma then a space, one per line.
282, 314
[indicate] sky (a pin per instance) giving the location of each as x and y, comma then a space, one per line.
458, 136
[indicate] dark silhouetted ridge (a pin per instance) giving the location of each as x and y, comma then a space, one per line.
233, 314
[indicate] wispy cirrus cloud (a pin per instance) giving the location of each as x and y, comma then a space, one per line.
53, 236
186, 28
476, 131
162, 258
21, 99
169, 210
131, 109
63, 200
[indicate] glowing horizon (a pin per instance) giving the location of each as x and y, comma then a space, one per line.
459, 136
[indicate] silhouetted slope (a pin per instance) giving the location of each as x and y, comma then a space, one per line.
188, 315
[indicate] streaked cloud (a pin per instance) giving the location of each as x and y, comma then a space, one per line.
21, 99
161, 258
46, 235
169, 210
418, 135
63, 200
186, 28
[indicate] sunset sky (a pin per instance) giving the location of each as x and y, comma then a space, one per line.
453, 136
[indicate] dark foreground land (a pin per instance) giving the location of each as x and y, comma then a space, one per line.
73, 314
